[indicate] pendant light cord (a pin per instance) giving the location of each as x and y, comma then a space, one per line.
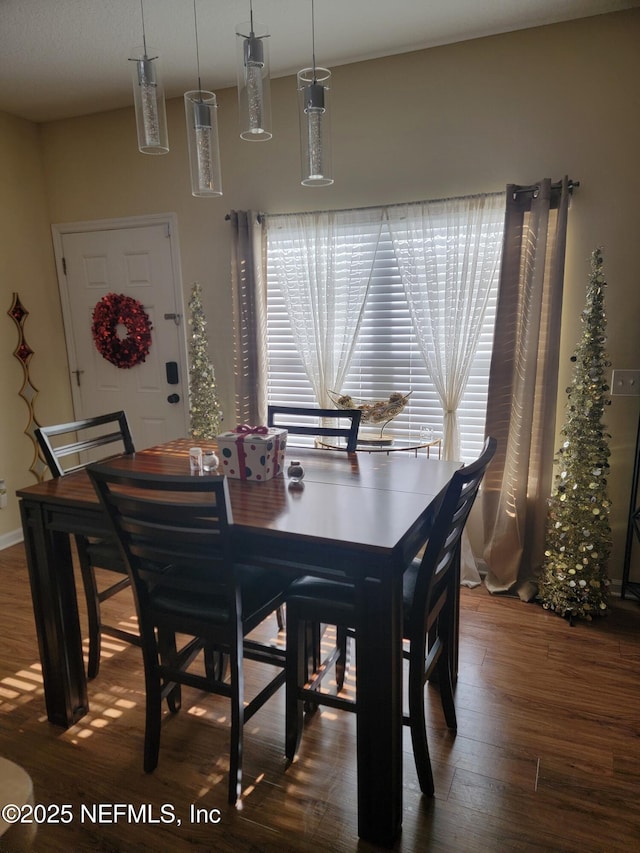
251, 32
313, 40
195, 21
144, 35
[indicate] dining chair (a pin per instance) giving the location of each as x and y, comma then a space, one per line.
80, 442
314, 422
429, 623
175, 536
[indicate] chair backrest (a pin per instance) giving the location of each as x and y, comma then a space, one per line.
314, 422
84, 437
442, 553
162, 521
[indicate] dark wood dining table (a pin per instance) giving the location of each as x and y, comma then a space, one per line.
361, 515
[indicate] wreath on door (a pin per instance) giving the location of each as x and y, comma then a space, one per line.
114, 311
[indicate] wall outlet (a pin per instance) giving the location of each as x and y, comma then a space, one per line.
626, 382
3, 495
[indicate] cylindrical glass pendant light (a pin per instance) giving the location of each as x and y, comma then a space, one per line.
254, 83
315, 136
202, 139
148, 97
201, 110
315, 132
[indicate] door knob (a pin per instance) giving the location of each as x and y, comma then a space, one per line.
173, 398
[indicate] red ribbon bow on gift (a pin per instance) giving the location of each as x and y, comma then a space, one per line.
245, 429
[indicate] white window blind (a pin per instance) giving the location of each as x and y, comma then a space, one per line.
386, 356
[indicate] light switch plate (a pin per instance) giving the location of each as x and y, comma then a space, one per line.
626, 382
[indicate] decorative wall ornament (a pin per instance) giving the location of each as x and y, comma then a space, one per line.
28, 392
117, 310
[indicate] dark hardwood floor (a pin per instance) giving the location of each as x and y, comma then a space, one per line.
547, 755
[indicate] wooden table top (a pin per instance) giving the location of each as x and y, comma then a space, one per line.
360, 501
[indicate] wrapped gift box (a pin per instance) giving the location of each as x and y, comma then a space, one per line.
252, 453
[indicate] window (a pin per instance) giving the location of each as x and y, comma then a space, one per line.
387, 356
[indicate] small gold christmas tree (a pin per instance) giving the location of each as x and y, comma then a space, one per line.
205, 412
574, 579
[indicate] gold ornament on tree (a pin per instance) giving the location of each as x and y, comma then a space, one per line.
205, 412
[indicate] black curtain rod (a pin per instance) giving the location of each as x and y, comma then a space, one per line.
259, 217
536, 187
371, 206
533, 188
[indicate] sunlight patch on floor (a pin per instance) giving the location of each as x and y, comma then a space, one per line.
106, 709
251, 788
19, 683
33, 676
113, 713
8, 694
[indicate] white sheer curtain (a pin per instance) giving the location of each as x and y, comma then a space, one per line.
324, 275
449, 254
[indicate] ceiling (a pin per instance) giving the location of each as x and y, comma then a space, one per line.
63, 58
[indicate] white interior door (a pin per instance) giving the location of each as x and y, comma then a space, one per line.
138, 258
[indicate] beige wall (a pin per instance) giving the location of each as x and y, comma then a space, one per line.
453, 120
27, 268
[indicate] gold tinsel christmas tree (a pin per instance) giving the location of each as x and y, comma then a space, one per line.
574, 579
205, 412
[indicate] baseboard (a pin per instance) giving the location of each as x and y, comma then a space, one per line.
615, 587
11, 538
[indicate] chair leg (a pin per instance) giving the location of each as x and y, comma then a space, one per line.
446, 669
453, 639
342, 660
237, 720
215, 664
237, 717
446, 691
313, 650
280, 618
418, 723
93, 607
153, 687
312, 632
169, 655
296, 675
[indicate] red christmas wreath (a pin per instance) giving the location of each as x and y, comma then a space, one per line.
113, 310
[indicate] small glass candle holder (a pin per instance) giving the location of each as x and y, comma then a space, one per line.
295, 471
426, 434
209, 461
195, 460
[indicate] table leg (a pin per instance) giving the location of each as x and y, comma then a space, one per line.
55, 610
379, 675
